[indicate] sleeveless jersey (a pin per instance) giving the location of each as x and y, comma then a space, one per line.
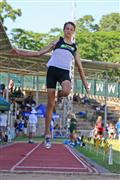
62, 55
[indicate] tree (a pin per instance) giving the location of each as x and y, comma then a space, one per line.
86, 23
6, 11
33, 41
100, 46
55, 31
110, 22
27, 39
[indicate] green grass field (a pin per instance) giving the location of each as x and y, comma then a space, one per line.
38, 139
101, 158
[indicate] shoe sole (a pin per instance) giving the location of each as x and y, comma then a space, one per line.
47, 147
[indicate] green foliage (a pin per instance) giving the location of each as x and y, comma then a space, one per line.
6, 11
110, 22
100, 46
28, 40
33, 41
86, 23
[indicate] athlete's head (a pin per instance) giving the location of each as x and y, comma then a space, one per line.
69, 29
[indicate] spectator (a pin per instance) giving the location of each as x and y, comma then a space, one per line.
2, 90
117, 126
16, 127
75, 97
20, 93
73, 128
3, 125
85, 100
111, 131
25, 127
32, 123
30, 101
98, 130
10, 86
20, 126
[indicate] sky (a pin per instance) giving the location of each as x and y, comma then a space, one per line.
42, 15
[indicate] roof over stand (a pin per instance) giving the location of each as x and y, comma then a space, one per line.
11, 63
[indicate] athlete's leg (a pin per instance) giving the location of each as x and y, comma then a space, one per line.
49, 110
66, 88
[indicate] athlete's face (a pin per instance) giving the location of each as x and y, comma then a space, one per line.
69, 31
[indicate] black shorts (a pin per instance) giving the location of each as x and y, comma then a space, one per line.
55, 75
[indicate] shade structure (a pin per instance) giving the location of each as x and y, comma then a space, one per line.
4, 105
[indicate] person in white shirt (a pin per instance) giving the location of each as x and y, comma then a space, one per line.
58, 70
32, 122
3, 125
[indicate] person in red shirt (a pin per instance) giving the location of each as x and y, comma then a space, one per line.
99, 129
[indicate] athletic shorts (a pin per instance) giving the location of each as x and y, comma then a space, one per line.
55, 75
32, 128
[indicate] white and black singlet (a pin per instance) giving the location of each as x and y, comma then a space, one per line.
60, 62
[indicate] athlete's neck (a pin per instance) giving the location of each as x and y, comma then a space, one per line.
67, 40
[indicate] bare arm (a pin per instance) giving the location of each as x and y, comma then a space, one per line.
81, 71
35, 54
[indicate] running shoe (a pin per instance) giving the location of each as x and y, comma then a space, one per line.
47, 142
30, 141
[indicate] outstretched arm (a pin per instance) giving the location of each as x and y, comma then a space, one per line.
81, 71
36, 53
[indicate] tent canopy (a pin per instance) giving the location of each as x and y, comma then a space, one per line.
4, 105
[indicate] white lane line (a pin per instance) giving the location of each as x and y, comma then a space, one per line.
88, 164
52, 167
84, 164
27, 155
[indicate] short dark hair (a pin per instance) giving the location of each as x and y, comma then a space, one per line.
69, 22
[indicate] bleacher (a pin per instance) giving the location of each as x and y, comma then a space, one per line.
113, 106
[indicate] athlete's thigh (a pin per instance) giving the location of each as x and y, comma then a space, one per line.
51, 94
51, 79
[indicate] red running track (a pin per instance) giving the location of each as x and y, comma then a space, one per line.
34, 157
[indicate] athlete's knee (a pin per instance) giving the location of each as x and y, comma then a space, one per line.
66, 92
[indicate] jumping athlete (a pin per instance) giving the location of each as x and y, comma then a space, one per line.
59, 65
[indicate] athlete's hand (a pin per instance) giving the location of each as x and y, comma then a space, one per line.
14, 51
87, 90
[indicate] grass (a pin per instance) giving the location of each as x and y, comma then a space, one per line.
101, 158
38, 139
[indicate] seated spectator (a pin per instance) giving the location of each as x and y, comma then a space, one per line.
111, 131
2, 90
85, 99
75, 97
19, 93
30, 101
78, 98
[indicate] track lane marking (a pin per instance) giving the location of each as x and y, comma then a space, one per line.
26, 156
84, 163
52, 167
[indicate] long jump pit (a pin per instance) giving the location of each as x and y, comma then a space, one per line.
24, 157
